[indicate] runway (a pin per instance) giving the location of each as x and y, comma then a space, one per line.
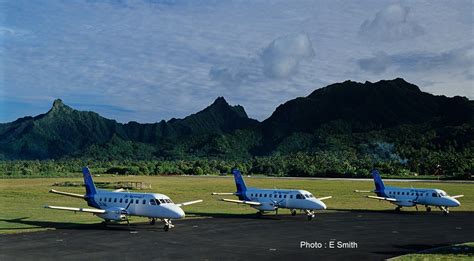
375, 235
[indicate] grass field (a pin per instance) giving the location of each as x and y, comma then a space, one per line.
456, 252
22, 200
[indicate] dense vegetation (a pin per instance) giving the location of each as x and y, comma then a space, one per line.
343, 129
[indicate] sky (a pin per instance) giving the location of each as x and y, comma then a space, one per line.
149, 60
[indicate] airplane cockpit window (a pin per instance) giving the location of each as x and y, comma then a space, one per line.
152, 202
298, 196
161, 201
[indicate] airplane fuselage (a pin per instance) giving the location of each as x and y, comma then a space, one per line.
409, 197
283, 198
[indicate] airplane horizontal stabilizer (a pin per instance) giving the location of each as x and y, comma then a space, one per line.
189, 203
363, 191
74, 195
88, 210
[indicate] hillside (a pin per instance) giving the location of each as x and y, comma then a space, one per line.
386, 121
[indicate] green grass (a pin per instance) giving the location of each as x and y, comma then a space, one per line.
456, 252
22, 200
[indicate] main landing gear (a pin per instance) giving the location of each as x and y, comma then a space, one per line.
397, 209
259, 214
310, 214
428, 208
293, 212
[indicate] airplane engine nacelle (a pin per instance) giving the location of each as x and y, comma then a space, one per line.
267, 206
115, 214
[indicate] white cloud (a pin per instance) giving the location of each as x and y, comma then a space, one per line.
282, 56
159, 59
459, 59
391, 24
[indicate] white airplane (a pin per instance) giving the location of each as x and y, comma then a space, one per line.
273, 199
411, 197
118, 205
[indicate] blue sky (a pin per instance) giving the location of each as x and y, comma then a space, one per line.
148, 60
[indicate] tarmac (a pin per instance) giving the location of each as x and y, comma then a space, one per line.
368, 235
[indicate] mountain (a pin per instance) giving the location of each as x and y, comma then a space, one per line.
63, 131
391, 115
352, 107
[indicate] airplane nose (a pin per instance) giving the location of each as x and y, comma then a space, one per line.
456, 202
179, 213
320, 204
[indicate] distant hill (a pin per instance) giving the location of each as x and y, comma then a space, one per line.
390, 119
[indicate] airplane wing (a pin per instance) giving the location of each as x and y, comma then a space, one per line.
251, 203
87, 210
457, 196
189, 203
119, 190
224, 193
382, 198
74, 195
324, 198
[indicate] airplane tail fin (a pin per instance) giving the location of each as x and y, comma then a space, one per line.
88, 182
239, 182
379, 186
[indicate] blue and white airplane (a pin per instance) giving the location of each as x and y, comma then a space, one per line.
411, 197
118, 205
273, 199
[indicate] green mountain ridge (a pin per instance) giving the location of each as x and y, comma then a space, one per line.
390, 120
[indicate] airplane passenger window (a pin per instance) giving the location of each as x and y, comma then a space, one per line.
433, 195
144, 201
110, 199
120, 200
264, 195
126, 200
284, 196
115, 200
136, 201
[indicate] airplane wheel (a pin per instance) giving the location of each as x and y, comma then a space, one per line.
310, 217
293, 212
428, 209
397, 209
166, 228
259, 214
152, 221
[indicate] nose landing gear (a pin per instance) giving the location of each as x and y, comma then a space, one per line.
168, 224
310, 214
